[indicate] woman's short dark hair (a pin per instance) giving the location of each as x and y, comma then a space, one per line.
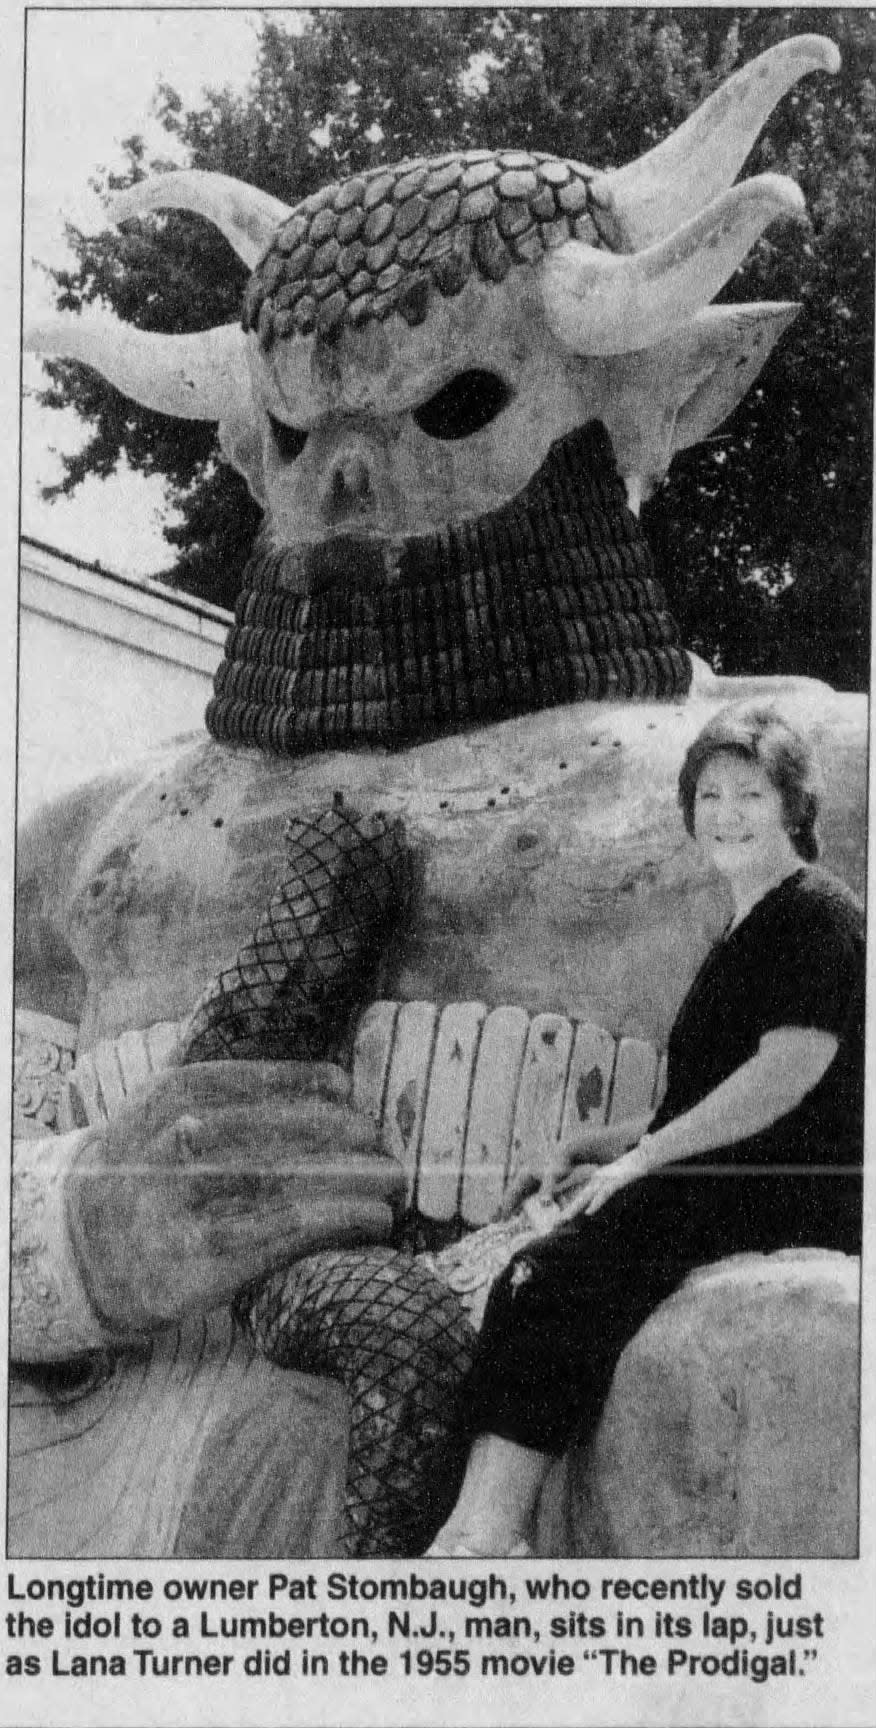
758, 732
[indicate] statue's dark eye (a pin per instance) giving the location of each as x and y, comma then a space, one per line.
469, 402
289, 440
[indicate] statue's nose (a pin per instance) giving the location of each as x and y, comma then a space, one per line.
349, 490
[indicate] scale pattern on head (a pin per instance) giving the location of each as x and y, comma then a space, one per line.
386, 241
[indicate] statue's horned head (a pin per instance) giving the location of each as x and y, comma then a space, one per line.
415, 339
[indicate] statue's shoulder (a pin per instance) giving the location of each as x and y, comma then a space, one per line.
183, 774
57, 841
51, 843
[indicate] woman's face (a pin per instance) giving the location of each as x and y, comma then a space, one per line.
738, 817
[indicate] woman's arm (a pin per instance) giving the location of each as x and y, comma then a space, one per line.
787, 1064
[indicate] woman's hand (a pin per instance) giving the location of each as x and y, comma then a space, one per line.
572, 1162
604, 1181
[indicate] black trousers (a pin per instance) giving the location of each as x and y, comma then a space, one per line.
565, 1308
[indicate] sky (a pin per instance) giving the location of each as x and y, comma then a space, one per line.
91, 78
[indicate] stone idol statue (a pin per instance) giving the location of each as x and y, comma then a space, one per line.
299, 998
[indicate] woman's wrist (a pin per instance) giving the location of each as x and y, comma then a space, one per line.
647, 1152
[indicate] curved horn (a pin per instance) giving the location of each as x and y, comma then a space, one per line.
198, 377
609, 303
644, 202
248, 218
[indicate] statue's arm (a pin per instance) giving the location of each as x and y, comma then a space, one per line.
217, 1170
51, 1316
49, 978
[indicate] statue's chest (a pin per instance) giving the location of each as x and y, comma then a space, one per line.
537, 850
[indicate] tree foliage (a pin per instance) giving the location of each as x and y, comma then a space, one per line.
763, 532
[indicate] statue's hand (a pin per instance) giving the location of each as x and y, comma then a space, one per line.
215, 1174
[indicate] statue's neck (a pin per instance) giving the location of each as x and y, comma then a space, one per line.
551, 599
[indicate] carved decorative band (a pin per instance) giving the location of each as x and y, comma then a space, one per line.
44, 1052
50, 1315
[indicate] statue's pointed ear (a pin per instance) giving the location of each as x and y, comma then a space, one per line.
717, 360
676, 393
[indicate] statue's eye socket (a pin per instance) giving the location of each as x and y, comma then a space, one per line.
288, 440
465, 405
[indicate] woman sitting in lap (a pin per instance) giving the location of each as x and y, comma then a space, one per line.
757, 1146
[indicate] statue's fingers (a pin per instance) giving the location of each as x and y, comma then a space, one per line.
232, 1197
372, 1173
205, 1087
274, 1136
259, 1082
311, 1124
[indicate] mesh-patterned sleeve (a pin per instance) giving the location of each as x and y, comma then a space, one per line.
311, 959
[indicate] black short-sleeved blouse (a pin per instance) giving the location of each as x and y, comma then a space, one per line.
797, 959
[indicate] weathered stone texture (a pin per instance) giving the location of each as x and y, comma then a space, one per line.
732, 1423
